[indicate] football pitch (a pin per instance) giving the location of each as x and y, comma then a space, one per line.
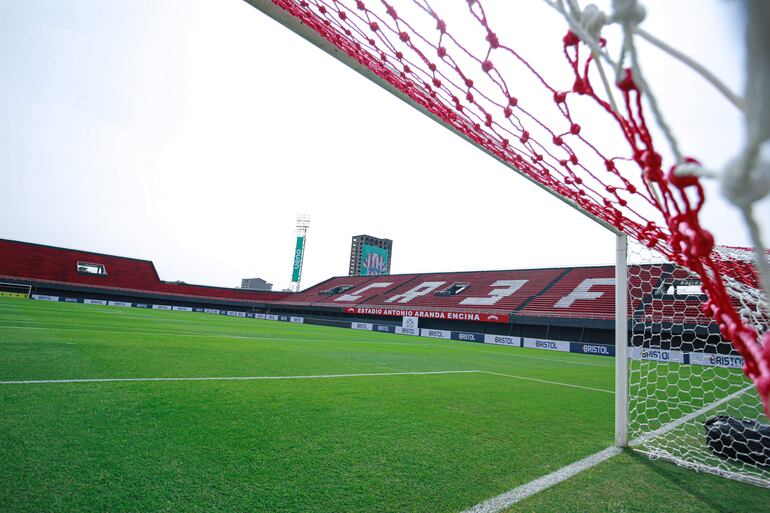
303, 418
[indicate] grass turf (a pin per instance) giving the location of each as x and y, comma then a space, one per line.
375, 443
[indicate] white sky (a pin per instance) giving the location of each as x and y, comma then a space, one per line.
192, 132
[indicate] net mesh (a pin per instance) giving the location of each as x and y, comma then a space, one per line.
549, 122
684, 376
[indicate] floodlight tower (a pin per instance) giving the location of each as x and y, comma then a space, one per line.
303, 223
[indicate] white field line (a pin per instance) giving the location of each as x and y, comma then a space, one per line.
686, 418
235, 378
548, 382
573, 362
508, 499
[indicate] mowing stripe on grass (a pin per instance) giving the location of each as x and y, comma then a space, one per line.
549, 382
234, 378
142, 331
148, 331
508, 499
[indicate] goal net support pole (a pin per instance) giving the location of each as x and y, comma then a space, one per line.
621, 341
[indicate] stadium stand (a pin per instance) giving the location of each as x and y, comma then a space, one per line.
47, 265
587, 292
481, 290
566, 296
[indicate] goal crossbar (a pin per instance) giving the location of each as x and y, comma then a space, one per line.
295, 25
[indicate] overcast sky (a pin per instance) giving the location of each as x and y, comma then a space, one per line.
192, 132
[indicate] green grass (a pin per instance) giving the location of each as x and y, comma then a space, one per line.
376, 443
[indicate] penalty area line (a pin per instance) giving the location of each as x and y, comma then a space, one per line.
557, 383
509, 498
234, 378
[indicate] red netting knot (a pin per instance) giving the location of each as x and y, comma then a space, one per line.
468, 83
374, 26
680, 180
651, 159
560, 97
513, 101
441, 26
524, 136
580, 86
653, 175
403, 36
557, 140
493, 41
570, 39
343, 16
399, 55
687, 234
322, 9
437, 82
360, 5
487, 66
508, 112
627, 84
651, 162
441, 51
574, 129
392, 12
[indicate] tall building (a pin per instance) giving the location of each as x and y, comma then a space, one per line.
370, 256
255, 284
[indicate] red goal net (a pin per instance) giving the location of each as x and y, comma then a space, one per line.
555, 123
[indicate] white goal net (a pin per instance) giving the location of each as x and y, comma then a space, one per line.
689, 400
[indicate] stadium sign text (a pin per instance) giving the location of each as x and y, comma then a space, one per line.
599, 349
502, 340
429, 314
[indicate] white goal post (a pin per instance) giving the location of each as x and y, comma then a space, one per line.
15, 290
678, 382
621, 341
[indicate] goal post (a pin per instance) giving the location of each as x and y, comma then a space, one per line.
15, 290
621, 340
692, 370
